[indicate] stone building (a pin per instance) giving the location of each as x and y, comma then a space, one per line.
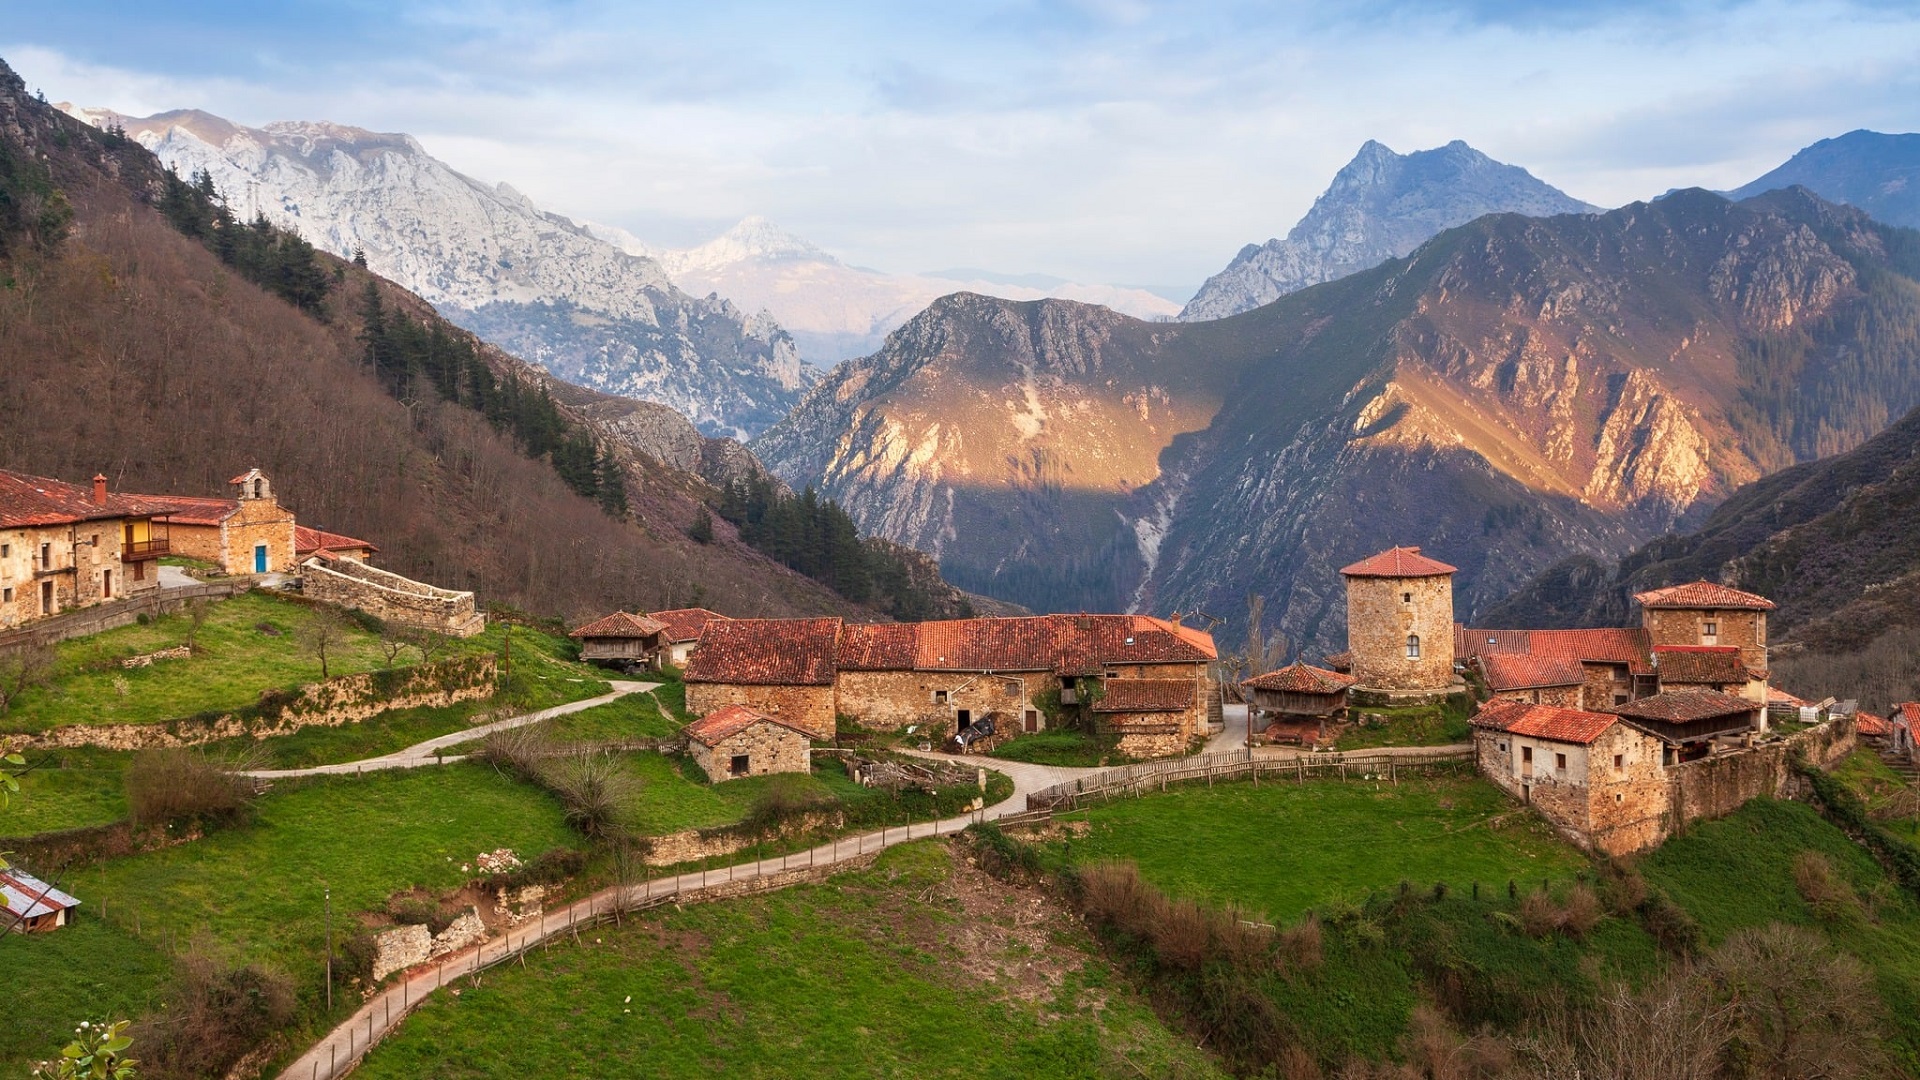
620, 640
944, 676
248, 534
1538, 680
1687, 721
1599, 780
1703, 614
1400, 627
308, 542
64, 546
735, 741
391, 597
1297, 702
783, 668
682, 633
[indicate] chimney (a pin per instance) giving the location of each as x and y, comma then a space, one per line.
99, 489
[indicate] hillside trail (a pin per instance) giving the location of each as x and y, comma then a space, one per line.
427, 752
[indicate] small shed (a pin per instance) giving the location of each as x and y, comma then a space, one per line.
32, 906
308, 542
1688, 720
1298, 701
736, 741
620, 640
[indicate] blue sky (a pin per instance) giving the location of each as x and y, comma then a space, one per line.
1104, 140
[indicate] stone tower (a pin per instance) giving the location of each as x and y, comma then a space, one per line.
1400, 627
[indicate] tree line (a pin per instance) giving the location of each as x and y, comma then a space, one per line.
278, 260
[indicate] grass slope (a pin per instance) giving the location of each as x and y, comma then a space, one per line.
875, 972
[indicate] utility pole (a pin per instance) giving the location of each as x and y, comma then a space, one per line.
328, 893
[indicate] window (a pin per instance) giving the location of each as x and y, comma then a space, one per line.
939, 697
1619, 699
1560, 762
1406, 598
96, 540
1413, 646
139, 571
1526, 754
106, 584
259, 488
6, 551
46, 556
738, 766
1709, 632
6, 595
1619, 761
1503, 748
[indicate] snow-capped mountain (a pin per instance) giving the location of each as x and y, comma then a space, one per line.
532, 282
1381, 206
835, 311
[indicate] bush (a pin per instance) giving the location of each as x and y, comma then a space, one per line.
214, 1015
597, 790
551, 868
1301, 945
522, 751
1672, 926
174, 785
999, 854
786, 797
1824, 890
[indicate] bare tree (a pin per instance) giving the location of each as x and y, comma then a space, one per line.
22, 670
425, 641
322, 635
393, 640
196, 611
1801, 1008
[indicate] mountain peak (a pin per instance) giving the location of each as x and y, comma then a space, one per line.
753, 238
1872, 170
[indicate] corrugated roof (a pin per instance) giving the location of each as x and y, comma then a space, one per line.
620, 624
685, 624
1145, 695
1703, 594
767, 652
878, 646
27, 897
724, 723
1301, 678
1509, 672
1685, 706
1552, 722
1398, 562
1712, 664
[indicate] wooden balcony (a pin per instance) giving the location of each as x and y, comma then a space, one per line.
142, 550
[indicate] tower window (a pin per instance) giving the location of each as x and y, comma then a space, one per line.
1406, 598
1413, 646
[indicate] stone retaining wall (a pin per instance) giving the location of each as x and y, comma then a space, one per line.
696, 844
390, 597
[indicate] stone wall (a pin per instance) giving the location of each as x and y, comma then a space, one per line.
390, 597
1627, 791
1564, 696
341, 700
405, 946
1719, 784
693, 845
891, 700
1603, 682
257, 522
1379, 619
81, 622
1747, 630
810, 708
768, 748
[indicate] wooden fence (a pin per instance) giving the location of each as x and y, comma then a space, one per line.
1156, 775
80, 622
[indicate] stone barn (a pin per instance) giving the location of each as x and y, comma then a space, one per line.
1297, 702
1149, 717
783, 668
1601, 781
1687, 721
735, 741
308, 542
1540, 680
64, 546
620, 640
1400, 627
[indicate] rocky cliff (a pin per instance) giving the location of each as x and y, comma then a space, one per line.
1381, 206
530, 281
1517, 391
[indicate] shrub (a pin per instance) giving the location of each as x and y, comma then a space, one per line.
1622, 890
1580, 912
174, 785
551, 868
215, 1014
521, 751
1671, 925
1539, 915
999, 854
785, 798
596, 790
1301, 945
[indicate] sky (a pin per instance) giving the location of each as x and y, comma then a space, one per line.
1104, 141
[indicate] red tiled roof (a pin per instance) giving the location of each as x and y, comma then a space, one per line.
685, 624
1868, 724
189, 509
766, 652
1022, 644
1506, 671
1299, 678
1470, 642
306, 541
1718, 665
1909, 711
243, 477
1145, 695
1543, 721
878, 646
1702, 594
1098, 640
1604, 646
1068, 644
1340, 661
37, 500
1777, 696
724, 723
1684, 706
620, 624
1398, 562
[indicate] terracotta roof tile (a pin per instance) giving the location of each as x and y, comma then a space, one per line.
37, 500
1542, 721
1718, 665
1868, 724
1468, 641
1022, 644
620, 624
1909, 711
1341, 661
766, 652
1703, 594
1145, 695
1510, 672
1398, 562
1777, 696
724, 723
1068, 644
685, 624
306, 541
189, 509
878, 646
1299, 678
1684, 706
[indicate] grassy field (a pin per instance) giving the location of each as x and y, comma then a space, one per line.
86, 971
914, 967
1411, 725
1063, 746
53, 798
249, 644
1284, 847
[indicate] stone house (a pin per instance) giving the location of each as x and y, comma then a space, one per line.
735, 741
1297, 702
31, 906
1399, 627
621, 640
942, 677
1706, 615
65, 546
249, 534
308, 542
1598, 779
783, 668
682, 633
1538, 680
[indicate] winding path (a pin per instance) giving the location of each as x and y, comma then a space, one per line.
428, 752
